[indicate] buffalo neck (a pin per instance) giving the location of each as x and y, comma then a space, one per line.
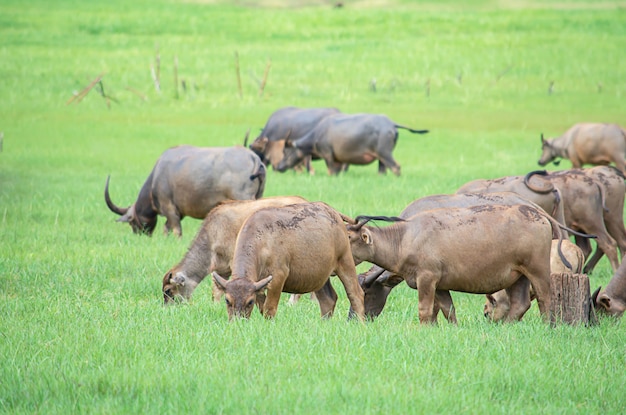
144, 207
387, 246
197, 261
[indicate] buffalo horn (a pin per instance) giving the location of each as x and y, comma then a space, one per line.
110, 204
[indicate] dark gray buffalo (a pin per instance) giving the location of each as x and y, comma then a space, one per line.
347, 139
190, 181
290, 122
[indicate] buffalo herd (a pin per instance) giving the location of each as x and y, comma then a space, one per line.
256, 248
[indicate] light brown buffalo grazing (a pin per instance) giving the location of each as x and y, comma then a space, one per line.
377, 283
587, 143
612, 300
213, 247
291, 249
190, 181
497, 305
478, 250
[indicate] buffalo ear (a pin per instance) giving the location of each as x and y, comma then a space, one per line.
543, 141
366, 236
604, 301
125, 218
259, 286
178, 279
220, 282
492, 300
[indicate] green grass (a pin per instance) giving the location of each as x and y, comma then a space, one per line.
83, 329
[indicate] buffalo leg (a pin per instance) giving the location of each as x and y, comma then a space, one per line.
346, 272
274, 291
593, 261
389, 162
426, 288
443, 302
382, 169
327, 298
519, 299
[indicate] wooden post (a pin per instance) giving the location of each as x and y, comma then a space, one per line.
571, 301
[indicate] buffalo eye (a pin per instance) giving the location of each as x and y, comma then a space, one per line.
250, 303
227, 302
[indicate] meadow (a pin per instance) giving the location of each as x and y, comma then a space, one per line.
82, 324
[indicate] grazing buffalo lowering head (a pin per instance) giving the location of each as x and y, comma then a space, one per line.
284, 123
587, 143
190, 181
612, 300
293, 249
452, 249
141, 215
343, 139
213, 247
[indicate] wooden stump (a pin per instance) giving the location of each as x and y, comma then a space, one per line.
571, 302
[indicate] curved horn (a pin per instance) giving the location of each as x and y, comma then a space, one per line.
362, 220
594, 296
110, 204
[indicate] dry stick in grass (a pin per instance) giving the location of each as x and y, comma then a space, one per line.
264, 81
501, 74
157, 64
139, 94
78, 97
176, 77
238, 75
157, 86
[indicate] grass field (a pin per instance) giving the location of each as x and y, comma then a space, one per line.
82, 326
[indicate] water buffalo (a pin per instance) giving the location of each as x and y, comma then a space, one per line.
377, 284
532, 187
587, 143
584, 207
286, 122
213, 247
343, 139
190, 181
453, 249
497, 305
612, 300
290, 249
611, 181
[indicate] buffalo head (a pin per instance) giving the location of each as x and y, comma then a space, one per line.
603, 303
140, 223
240, 294
293, 154
548, 153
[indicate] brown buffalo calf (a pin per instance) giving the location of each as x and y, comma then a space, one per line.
213, 247
291, 249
